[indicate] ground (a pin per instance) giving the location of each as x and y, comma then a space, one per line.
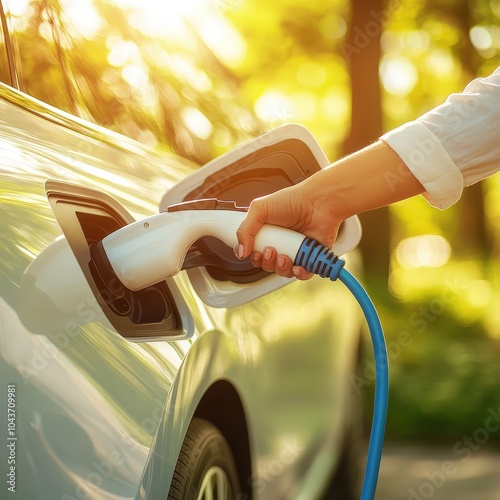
422, 473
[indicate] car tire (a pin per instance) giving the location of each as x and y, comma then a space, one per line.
206, 467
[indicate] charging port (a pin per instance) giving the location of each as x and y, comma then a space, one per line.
86, 218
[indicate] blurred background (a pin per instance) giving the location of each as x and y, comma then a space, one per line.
198, 77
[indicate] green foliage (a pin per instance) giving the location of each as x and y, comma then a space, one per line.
444, 380
294, 69
172, 93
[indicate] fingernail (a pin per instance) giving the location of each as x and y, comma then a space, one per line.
295, 271
281, 261
267, 254
238, 250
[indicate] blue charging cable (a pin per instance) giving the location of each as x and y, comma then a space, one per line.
319, 259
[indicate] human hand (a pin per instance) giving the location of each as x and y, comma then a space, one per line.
295, 208
316, 206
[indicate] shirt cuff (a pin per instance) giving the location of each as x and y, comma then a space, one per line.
428, 161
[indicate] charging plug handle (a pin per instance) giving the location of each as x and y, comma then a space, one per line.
154, 249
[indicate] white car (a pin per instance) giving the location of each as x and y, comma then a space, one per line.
223, 382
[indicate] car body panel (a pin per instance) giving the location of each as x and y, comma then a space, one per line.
65, 384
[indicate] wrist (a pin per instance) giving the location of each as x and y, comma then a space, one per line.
330, 190
368, 179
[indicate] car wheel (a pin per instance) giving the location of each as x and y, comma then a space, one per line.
205, 469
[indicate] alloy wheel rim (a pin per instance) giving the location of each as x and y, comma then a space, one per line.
215, 485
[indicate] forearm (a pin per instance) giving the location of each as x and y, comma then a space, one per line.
370, 178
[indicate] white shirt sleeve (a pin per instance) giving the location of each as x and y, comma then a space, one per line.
455, 144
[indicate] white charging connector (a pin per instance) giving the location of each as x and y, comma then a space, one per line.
151, 250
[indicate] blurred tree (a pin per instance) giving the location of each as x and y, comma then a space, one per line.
172, 93
362, 52
471, 219
294, 69
440, 51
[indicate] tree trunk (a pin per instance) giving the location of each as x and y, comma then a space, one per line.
471, 221
362, 52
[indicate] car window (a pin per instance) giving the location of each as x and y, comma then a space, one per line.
42, 44
103, 60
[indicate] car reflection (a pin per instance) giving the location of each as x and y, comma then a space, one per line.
55, 400
67, 387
